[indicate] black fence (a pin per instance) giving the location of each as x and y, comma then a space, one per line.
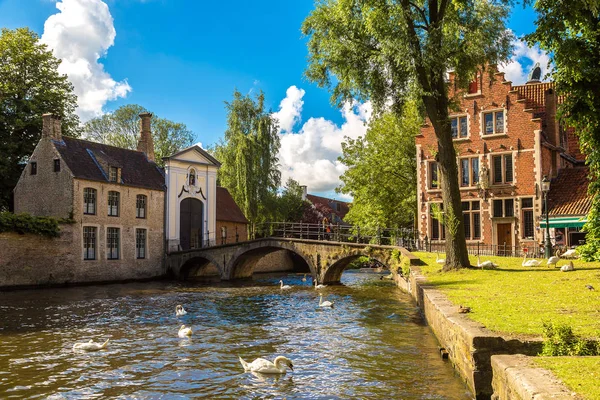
482, 249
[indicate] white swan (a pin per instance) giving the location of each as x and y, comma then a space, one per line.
179, 310
184, 331
324, 303
553, 260
319, 286
486, 264
439, 260
267, 367
567, 267
571, 253
304, 278
284, 286
530, 263
90, 346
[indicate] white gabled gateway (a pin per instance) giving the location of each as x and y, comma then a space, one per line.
191, 180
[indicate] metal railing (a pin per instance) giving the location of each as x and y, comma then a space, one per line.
482, 249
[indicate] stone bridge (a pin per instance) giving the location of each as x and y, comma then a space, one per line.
322, 259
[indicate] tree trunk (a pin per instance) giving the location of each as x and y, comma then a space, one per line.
456, 245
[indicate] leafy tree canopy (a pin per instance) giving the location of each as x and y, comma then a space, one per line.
30, 85
121, 128
290, 204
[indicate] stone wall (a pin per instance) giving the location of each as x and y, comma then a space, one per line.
33, 260
232, 229
280, 260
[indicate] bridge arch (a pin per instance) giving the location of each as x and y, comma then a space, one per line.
333, 273
200, 268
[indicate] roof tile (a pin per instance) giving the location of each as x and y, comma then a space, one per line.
568, 193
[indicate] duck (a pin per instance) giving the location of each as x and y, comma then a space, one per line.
90, 346
304, 278
284, 286
319, 286
553, 260
278, 366
439, 260
464, 310
530, 263
486, 264
179, 310
571, 253
184, 331
324, 303
567, 267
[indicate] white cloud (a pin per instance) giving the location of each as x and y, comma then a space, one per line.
290, 109
79, 35
523, 59
310, 155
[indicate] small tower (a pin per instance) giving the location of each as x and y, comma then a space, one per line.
146, 144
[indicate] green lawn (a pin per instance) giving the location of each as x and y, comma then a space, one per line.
580, 374
517, 300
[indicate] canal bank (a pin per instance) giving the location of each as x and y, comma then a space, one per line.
492, 365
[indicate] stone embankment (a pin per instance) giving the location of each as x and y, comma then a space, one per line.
471, 347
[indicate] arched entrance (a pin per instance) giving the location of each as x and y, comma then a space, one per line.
191, 223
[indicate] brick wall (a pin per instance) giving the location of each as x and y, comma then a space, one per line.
242, 231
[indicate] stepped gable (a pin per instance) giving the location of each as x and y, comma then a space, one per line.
535, 96
568, 192
91, 160
227, 208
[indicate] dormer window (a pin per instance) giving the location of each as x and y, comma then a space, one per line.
57, 165
33, 168
113, 173
192, 177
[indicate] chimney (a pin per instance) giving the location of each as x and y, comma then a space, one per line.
146, 145
304, 192
51, 126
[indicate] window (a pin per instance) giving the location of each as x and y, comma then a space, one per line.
33, 170
469, 171
504, 208
112, 243
472, 219
113, 173
140, 206
113, 204
433, 176
89, 201
140, 243
527, 217
57, 165
89, 242
192, 178
562, 134
459, 127
503, 169
493, 122
438, 231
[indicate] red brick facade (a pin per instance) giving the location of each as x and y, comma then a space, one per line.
507, 139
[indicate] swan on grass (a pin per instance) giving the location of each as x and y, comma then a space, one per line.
486, 264
324, 303
553, 260
284, 286
530, 263
90, 346
263, 366
179, 310
568, 267
571, 253
439, 260
184, 331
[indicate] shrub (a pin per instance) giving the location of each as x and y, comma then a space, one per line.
27, 223
559, 340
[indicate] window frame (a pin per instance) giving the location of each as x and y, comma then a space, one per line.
113, 206
527, 209
57, 165
441, 228
94, 242
484, 133
110, 251
113, 174
471, 213
504, 201
473, 178
504, 180
458, 118
431, 165
33, 168
141, 247
86, 203
141, 198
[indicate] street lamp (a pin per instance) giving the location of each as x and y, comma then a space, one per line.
545, 190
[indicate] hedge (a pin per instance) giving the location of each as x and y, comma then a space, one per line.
27, 223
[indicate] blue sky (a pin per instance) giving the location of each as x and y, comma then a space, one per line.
182, 59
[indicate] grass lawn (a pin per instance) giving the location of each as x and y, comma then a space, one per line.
580, 374
517, 300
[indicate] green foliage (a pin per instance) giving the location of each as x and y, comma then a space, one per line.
121, 128
290, 206
26, 223
249, 157
568, 31
360, 262
30, 86
559, 340
580, 374
381, 174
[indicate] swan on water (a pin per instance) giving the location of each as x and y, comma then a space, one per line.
318, 286
530, 263
324, 303
179, 310
267, 367
486, 264
553, 260
439, 260
284, 286
184, 331
90, 346
304, 278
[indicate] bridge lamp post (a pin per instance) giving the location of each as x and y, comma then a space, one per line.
545, 190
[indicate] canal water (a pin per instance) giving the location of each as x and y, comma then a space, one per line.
372, 345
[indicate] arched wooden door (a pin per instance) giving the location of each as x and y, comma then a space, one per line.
190, 223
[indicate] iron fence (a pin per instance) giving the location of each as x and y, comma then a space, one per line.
482, 249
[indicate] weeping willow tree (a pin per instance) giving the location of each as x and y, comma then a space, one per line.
248, 154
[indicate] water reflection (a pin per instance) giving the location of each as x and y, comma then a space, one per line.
373, 344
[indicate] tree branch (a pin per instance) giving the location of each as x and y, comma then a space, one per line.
421, 11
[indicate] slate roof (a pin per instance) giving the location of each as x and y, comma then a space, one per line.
91, 160
344, 208
227, 208
568, 193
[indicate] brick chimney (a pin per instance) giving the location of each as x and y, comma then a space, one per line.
51, 126
145, 144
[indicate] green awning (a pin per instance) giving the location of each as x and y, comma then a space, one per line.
564, 222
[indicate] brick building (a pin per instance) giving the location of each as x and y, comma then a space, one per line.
232, 225
507, 139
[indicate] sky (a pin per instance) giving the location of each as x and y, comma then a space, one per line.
183, 59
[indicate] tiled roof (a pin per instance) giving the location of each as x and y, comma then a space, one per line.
227, 209
329, 203
568, 192
91, 160
535, 95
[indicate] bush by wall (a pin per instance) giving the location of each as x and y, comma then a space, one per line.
27, 223
559, 340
